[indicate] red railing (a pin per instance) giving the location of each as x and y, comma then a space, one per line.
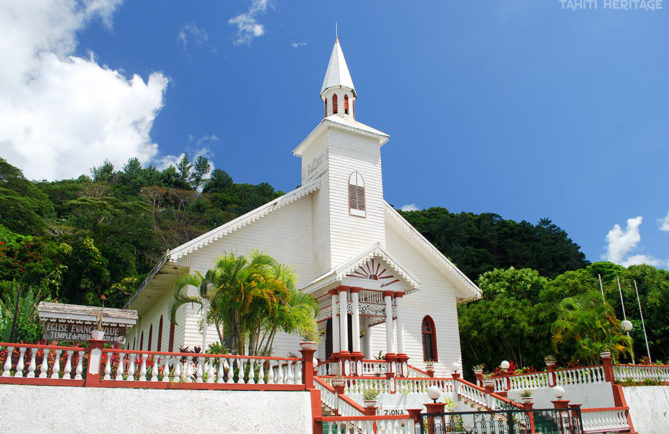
98, 367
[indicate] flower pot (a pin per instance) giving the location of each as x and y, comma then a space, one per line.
478, 371
526, 398
370, 403
605, 354
308, 345
550, 363
97, 335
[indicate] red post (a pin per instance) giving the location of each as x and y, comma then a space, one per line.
608, 366
94, 363
433, 407
527, 405
308, 367
552, 381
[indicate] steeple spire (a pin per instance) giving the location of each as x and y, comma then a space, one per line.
338, 93
337, 74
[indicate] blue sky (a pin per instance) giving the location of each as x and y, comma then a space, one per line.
524, 108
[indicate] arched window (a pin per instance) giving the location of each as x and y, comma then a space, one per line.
334, 104
160, 335
346, 104
326, 107
150, 337
356, 195
141, 343
429, 339
171, 343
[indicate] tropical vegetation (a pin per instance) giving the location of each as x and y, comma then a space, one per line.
248, 300
76, 240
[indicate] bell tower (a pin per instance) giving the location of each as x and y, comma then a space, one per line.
343, 156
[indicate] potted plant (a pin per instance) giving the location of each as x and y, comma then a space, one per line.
526, 396
550, 360
429, 364
370, 397
478, 369
488, 381
311, 336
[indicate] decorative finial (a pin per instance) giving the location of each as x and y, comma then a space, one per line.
336, 32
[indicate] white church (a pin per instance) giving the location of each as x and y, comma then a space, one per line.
380, 285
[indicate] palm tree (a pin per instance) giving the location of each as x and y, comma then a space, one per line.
250, 299
587, 326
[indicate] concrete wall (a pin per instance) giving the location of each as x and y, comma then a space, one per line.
92, 410
649, 408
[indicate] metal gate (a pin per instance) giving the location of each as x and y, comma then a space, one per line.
517, 421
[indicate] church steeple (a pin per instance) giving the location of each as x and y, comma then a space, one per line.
338, 92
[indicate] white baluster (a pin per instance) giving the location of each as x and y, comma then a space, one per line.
131, 368
80, 365
280, 379
177, 370
8, 362
231, 370
108, 367
261, 372
289, 371
210, 369
67, 373
270, 372
142, 369
119, 368
200, 370
240, 364
189, 369
56, 365
154, 368
166, 369
19, 365
298, 372
31, 368
252, 371
221, 370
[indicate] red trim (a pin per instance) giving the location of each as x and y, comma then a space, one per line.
160, 335
335, 109
41, 381
388, 293
343, 289
345, 104
433, 337
41, 347
590, 410
355, 289
399, 294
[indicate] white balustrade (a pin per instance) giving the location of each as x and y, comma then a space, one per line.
374, 367
587, 375
122, 365
36, 361
331, 400
604, 420
639, 373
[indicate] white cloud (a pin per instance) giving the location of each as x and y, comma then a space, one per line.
298, 44
248, 27
409, 207
61, 114
664, 223
622, 242
192, 34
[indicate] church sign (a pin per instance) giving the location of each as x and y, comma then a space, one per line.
70, 322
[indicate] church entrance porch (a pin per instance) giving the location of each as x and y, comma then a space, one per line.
346, 316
